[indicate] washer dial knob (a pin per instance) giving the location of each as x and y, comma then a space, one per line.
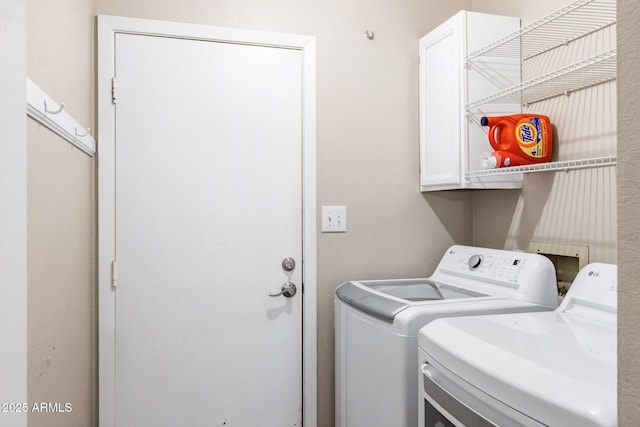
475, 261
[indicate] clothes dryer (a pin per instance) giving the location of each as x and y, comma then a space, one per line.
528, 369
377, 324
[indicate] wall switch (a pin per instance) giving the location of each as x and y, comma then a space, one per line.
334, 219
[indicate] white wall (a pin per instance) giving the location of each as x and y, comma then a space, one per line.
13, 227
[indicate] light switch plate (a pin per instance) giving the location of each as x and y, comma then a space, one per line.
334, 219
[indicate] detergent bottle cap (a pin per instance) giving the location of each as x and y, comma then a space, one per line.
489, 161
484, 121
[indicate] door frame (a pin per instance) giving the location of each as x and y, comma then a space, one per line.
107, 28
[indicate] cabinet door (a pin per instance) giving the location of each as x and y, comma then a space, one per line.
441, 55
485, 76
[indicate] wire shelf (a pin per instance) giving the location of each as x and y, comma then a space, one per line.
565, 165
586, 73
577, 20
574, 21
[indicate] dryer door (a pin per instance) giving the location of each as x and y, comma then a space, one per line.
447, 401
442, 409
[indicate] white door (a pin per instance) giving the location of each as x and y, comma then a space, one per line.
208, 186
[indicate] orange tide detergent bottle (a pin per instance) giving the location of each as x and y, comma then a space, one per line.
519, 139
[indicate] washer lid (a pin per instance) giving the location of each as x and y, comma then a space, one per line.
558, 368
376, 305
384, 299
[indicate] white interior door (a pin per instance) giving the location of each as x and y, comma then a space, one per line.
208, 185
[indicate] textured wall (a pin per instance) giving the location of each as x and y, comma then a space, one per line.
60, 259
62, 355
628, 213
60, 43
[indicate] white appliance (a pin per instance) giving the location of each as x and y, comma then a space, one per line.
529, 369
377, 324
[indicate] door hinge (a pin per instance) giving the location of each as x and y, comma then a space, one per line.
114, 90
114, 273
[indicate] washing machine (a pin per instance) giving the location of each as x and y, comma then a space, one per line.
528, 369
377, 324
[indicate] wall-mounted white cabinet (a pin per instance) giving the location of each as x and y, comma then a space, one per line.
451, 141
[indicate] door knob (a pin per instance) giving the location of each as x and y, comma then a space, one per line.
288, 290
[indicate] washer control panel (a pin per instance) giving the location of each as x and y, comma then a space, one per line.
504, 268
490, 264
519, 275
